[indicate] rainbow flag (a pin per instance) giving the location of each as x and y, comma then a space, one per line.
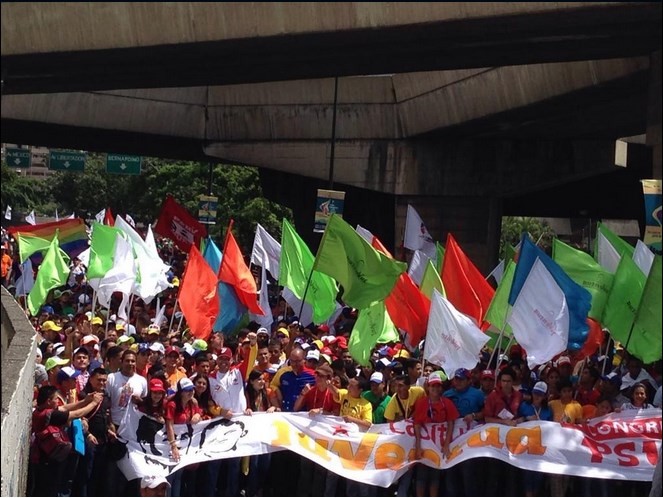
33, 240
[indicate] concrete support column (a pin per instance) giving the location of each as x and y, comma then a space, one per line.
654, 113
474, 221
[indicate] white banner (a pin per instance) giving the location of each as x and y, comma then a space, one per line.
618, 446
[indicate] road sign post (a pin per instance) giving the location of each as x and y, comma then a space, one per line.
18, 158
66, 161
122, 164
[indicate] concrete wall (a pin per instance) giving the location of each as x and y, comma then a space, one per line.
18, 360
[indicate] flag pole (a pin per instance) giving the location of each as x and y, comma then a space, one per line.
605, 358
499, 359
308, 283
172, 316
498, 342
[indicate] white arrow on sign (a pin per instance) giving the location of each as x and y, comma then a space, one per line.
123, 166
66, 164
17, 161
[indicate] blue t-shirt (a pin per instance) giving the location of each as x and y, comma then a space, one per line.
527, 410
292, 385
470, 400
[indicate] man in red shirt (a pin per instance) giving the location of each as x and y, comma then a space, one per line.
433, 408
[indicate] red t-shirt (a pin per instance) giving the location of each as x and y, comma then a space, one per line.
184, 416
426, 411
498, 401
325, 400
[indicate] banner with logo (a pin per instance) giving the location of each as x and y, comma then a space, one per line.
178, 225
618, 446
329, 202
652, 196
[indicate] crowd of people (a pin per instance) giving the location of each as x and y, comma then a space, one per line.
91, 366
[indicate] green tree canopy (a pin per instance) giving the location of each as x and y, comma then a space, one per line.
514, 226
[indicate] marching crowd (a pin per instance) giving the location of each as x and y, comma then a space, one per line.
91, 366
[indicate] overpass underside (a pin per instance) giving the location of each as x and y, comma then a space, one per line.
465, 110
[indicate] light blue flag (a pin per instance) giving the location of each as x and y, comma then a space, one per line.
231, 308
556, 302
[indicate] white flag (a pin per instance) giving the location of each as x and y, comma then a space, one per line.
416, 234
643, 257
8, 213
26, 281
120, 278
31, 218
305, 313
498, 272
263, 299
100, 216
418, 266
85, 257
71, 216
608, 256
452, 339
266, 251
367, 235
130, 220
57, 218
540, 316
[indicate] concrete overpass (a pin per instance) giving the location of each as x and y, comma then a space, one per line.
457, 107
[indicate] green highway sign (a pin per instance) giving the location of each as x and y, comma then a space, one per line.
66, 161
18, 158
121, 164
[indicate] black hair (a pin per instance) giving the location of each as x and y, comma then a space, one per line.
114, 351
98, 371
564, 384
128, 352
45, 393
404, 378
506, 371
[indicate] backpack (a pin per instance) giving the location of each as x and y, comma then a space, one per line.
53, 443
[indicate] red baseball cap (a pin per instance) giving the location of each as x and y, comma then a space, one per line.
156, 385
323, 328
342, 342
488, 374
172, 349
225, 353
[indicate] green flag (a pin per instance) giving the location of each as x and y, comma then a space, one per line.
53, 272
645, 341
624, 299
509, 252
609, 248
431, 280
587, 273
499, 306
439, 258
365, 274
373, 325
296, 266
30, 244
102, 249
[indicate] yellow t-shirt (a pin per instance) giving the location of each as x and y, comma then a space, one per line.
355, 407
393, 409
570, 412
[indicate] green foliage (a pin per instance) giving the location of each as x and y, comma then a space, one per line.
237, 187
514, 226
21, 193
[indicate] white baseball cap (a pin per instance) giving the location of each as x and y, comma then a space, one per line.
313, 354
158, 347
377, 377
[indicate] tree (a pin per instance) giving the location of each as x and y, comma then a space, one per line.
514, 226
22, 193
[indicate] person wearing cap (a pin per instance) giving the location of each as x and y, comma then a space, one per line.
487, 381
564, 366
50, 331
66, 384
566, 408
432, 408
263, 336
52, 367
377, 397
154, 486
173, 371
312, 358
283, 335
276, 355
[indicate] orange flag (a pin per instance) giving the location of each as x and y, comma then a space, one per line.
234, 271
466, 287
198, 295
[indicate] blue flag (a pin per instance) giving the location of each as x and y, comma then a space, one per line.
231, 308
554, 302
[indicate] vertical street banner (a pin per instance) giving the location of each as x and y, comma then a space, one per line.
207, 205
329, 202
652, 193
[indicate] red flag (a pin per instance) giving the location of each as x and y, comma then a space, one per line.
198, 295
108, 217
379, 246
594, 339
408, 308
177, 224
234, 271
464, 284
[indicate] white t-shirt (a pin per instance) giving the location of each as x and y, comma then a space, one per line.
120, 388
228, 390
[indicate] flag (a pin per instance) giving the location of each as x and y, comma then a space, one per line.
499, 305
130, 220
26, 281
263, 299
296, 266
234, 271
29, 244
231, 310
365, 274
453, 340
416, 234
549, 311
8, 213
609, 248
466, 288
53, 273
430, 281
57, 218
266, 251
624, 299
71, 234
30, 218
177, 224
71, 216
198, 295
102, 249
100, 216
645, 341
418, 266
586, 272
439, 257
408, 309
498, 272
643, 257
121, 277
303, 310
373, 325
109, 219
372, 240
594, 339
